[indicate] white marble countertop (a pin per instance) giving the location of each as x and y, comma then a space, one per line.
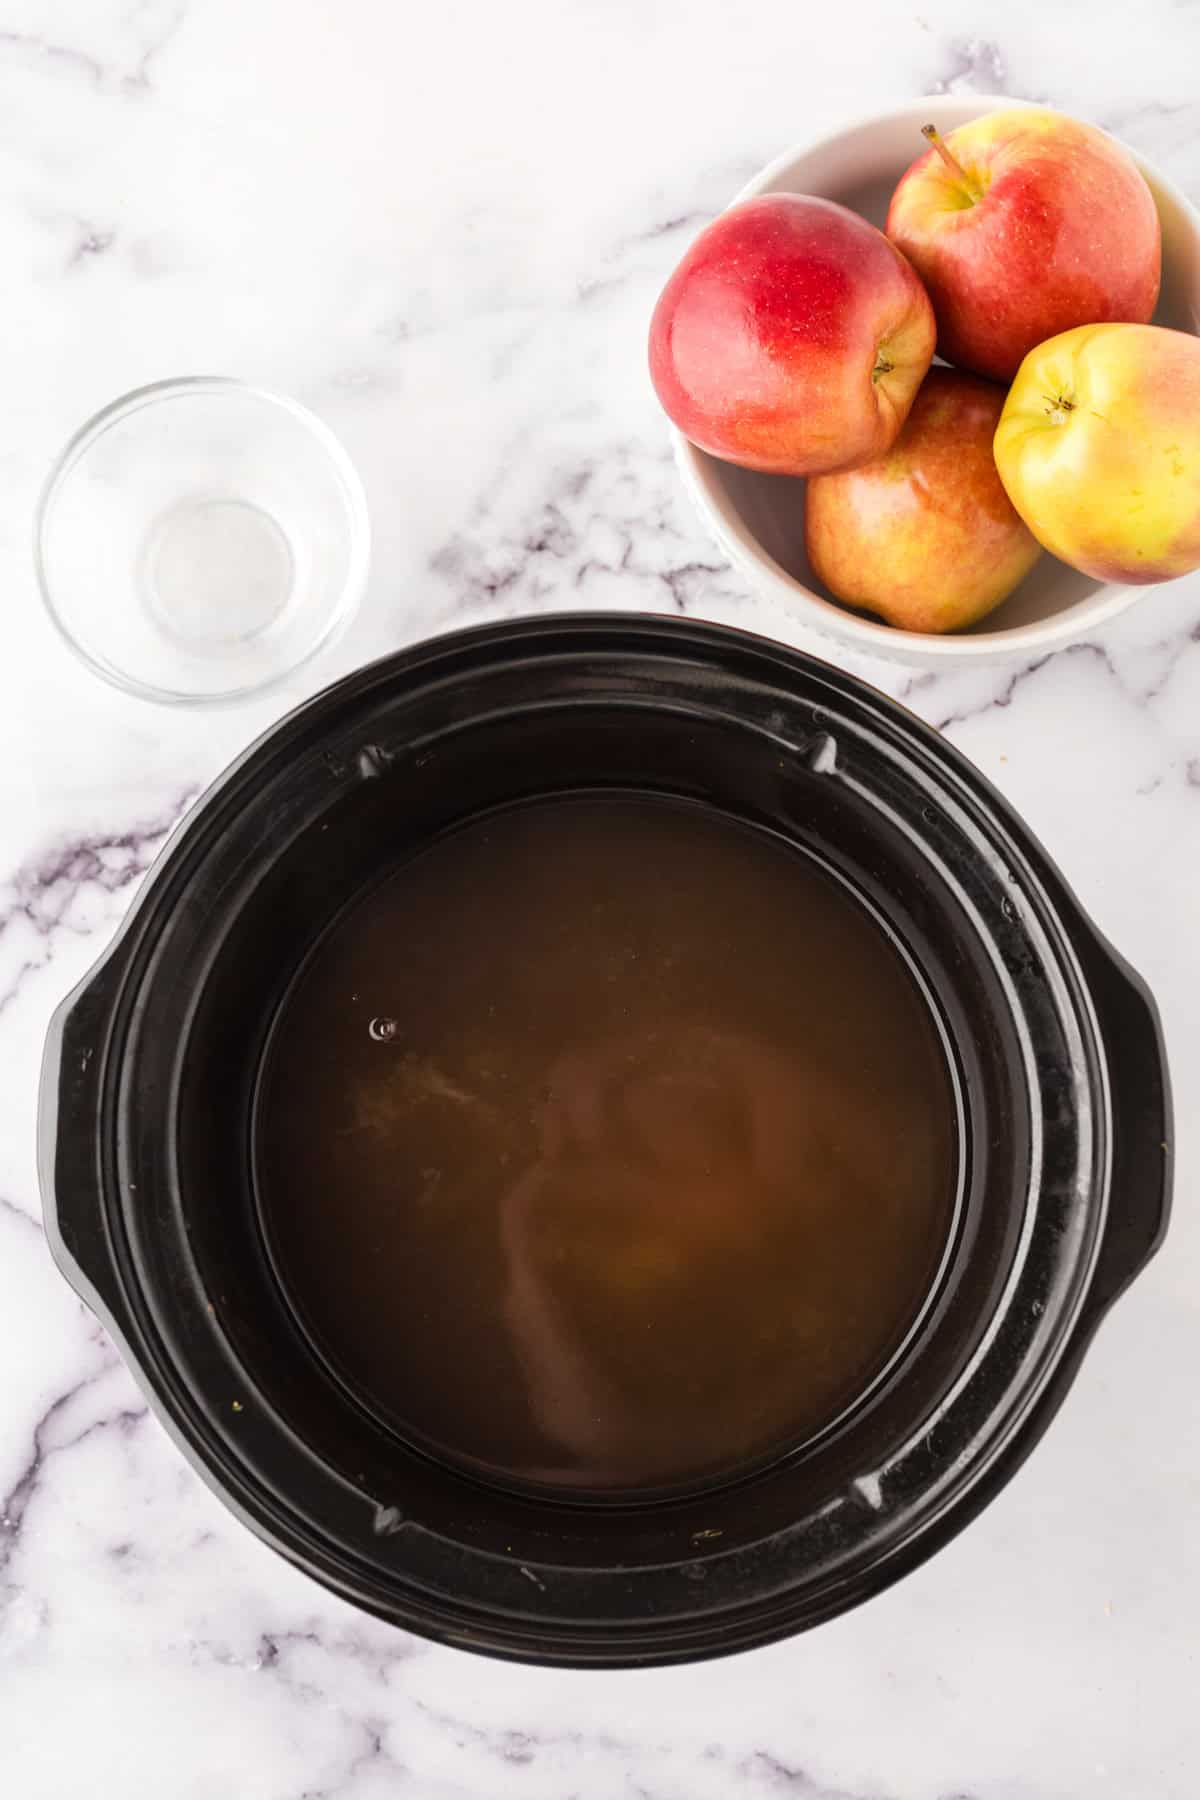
443, 229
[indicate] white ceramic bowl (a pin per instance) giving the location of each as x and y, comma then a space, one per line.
758, 520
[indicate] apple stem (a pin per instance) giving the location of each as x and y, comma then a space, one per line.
951, 161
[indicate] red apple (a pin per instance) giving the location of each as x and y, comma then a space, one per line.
791, 338
925, 536
1024, 224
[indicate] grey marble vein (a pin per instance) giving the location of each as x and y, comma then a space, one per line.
39, 49
46, 1443
614, 518
9, 1209
973, 64
41, 898
128, 73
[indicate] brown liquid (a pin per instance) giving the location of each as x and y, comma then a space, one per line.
655, 1169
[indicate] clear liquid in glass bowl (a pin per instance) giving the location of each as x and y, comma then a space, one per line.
200, 539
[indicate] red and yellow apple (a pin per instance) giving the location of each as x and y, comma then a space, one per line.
925, 536
1098, 448
791, 338
1023, 224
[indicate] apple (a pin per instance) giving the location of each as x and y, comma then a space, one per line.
1099, 449
1023, 224
925, 536
791, 338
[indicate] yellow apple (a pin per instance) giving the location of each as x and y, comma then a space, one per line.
1098, 448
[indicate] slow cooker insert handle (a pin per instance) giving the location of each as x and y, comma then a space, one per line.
71, 1141
1140, 1191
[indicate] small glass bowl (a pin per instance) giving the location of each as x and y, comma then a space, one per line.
200, 539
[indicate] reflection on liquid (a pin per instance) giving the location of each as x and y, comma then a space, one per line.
708, 1174
655, 1169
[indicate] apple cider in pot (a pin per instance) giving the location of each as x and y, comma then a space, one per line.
609, 1144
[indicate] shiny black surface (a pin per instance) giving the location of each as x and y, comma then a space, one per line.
150, 1075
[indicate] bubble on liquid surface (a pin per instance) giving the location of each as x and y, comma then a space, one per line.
382, 1030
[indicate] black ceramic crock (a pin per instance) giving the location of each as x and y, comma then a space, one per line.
149, 1088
